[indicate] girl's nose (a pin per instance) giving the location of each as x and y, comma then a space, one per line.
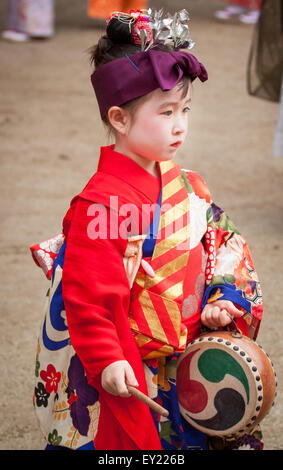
179, 126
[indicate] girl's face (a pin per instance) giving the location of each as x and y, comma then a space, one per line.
159, 125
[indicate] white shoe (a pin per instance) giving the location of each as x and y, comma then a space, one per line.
251, 17
229, 12
14, 36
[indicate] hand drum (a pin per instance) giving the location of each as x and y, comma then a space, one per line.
225, 383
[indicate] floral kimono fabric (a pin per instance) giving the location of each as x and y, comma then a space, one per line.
65, 404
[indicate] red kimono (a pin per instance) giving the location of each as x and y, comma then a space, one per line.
110, 318
96, 293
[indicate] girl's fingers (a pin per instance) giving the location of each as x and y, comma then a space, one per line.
224, 318
127, 378
130, 377
210, 316
115, 376
214, 316
230, 307
122, 389
110, 388
117, 387
205, 316
233, 310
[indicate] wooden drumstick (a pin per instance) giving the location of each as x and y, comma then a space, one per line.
148, 401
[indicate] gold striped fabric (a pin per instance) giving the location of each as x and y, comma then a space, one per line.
156, 307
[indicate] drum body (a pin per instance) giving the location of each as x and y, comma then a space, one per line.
226, 383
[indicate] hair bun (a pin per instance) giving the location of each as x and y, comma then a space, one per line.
119, 31
104, 44
100, 51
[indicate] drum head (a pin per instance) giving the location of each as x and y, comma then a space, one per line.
225, 384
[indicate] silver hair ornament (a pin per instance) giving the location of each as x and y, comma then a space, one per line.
169, 30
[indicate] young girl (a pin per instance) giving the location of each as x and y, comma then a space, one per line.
146, 259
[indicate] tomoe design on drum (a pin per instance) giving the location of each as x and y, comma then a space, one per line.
226, 383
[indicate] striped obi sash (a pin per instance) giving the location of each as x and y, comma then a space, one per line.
156, 302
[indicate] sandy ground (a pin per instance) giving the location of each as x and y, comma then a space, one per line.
50, 133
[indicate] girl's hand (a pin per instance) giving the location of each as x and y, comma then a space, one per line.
115, 377
219, 313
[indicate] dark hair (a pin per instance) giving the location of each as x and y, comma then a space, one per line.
106, 50
115, 44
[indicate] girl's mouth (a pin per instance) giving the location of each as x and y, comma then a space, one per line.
176, 144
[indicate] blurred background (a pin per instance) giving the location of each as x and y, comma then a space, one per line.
50, 135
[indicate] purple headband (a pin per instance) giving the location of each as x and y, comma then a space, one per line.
130, 77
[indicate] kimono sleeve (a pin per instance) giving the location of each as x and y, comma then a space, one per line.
96, 292
230, 271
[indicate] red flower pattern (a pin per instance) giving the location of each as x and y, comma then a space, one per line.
51, 377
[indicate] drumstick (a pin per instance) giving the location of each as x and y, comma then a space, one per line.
148, 401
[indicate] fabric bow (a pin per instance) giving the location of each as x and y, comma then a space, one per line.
130, 77
170, 71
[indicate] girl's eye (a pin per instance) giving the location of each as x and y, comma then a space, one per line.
167, 113
186, 109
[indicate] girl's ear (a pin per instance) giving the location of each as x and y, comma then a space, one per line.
119, 119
